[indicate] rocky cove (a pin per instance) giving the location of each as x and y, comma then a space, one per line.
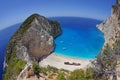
35, 40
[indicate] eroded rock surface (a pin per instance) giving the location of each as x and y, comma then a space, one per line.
107, 64
38, 39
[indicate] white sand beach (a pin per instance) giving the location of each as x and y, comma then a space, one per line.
58, 62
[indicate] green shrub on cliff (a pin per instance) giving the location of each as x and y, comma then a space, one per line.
36, 68
77, 75
61, 76
15, 66
43, 70
53, 69
89, 73
107, 50
82, 74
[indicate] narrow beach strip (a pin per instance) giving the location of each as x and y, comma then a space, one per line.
58, 61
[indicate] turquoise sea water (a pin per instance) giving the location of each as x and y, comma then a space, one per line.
80, 38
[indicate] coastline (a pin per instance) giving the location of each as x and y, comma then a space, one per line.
56, 60
91, 59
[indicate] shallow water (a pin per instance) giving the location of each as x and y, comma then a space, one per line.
80, 38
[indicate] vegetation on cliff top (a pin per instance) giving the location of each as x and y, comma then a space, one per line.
15, 66
52, 73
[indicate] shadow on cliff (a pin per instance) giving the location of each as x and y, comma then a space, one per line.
5, 36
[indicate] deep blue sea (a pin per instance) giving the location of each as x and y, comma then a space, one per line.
5, 35
80, 38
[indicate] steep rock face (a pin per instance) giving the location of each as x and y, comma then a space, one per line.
111, 26
107, 64
34, 39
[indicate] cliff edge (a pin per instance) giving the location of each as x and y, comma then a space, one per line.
107, 63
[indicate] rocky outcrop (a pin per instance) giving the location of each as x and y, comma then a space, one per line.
107, 66
35, 38
33, 41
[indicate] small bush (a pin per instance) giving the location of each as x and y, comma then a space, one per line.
36, 68
89, 73
77, 75
43, 70
53, 69
15, 66
61, 76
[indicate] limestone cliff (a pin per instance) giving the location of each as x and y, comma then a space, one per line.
31, 42
111, 26
107, 64
35, 38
